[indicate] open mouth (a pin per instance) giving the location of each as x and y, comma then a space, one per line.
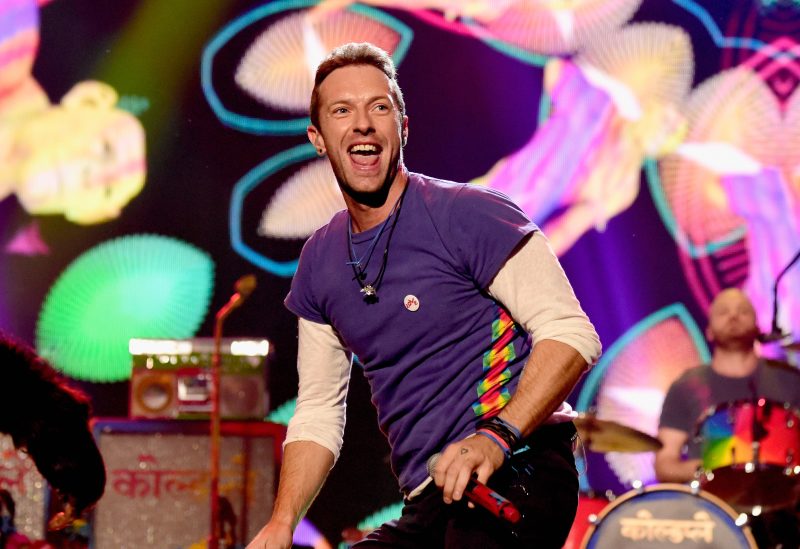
365, 154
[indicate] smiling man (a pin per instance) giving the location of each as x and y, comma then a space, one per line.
469, 334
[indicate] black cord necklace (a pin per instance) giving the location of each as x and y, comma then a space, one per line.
370, 289
359, 263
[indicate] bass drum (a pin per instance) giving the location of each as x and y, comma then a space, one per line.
589, 506
666, 515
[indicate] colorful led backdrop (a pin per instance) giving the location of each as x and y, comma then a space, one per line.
154, 151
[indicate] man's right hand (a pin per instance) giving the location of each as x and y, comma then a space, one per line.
272, 536
303, 471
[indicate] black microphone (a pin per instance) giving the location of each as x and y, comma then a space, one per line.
245, 286
480, 494
773, 336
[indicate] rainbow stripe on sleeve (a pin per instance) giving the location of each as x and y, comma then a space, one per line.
492, 391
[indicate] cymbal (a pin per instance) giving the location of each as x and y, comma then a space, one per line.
608, 436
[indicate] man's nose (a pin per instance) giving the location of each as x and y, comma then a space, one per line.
363, 122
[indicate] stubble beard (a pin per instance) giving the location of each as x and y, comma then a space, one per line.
376, 198
741, 342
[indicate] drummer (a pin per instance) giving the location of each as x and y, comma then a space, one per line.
736, 372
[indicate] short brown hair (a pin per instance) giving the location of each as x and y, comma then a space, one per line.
356, 53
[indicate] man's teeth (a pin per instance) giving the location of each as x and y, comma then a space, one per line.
363, 149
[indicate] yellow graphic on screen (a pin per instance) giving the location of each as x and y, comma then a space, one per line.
83, 157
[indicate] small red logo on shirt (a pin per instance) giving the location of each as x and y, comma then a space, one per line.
411, 302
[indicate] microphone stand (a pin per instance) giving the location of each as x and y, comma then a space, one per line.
244, 287
775, 330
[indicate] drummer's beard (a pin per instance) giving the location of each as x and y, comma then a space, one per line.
743, 341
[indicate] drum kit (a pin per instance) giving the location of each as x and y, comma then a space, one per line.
751, 467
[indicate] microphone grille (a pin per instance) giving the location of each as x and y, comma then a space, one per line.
245, 285
431, 463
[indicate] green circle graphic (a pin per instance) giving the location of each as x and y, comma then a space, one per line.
135, 286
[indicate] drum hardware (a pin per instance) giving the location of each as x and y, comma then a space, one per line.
610, 496
742, 520
759, 431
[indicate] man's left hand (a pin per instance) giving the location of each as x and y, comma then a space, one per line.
460, 460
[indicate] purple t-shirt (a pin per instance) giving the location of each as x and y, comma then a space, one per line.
436, 370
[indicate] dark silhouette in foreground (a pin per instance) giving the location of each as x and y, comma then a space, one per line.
49, 420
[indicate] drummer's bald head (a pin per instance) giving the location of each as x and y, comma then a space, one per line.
732, 319
730, 297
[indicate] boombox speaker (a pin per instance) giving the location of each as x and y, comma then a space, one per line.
170, 379
157, 492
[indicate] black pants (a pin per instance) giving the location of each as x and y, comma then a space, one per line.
540, 480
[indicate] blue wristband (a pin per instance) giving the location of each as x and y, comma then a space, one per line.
494, 438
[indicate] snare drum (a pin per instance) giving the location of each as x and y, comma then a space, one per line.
750, 452
668, 515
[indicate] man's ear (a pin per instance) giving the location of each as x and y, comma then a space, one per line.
405, 131
316, 139
709, 334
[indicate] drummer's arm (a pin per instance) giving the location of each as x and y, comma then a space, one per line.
670, 465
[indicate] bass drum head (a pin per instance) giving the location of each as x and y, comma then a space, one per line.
666, 515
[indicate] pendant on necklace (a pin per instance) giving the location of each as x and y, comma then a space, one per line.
368, 291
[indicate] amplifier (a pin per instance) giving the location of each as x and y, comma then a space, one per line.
171, 379
158, 491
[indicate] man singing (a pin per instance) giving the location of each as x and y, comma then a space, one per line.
468, 330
